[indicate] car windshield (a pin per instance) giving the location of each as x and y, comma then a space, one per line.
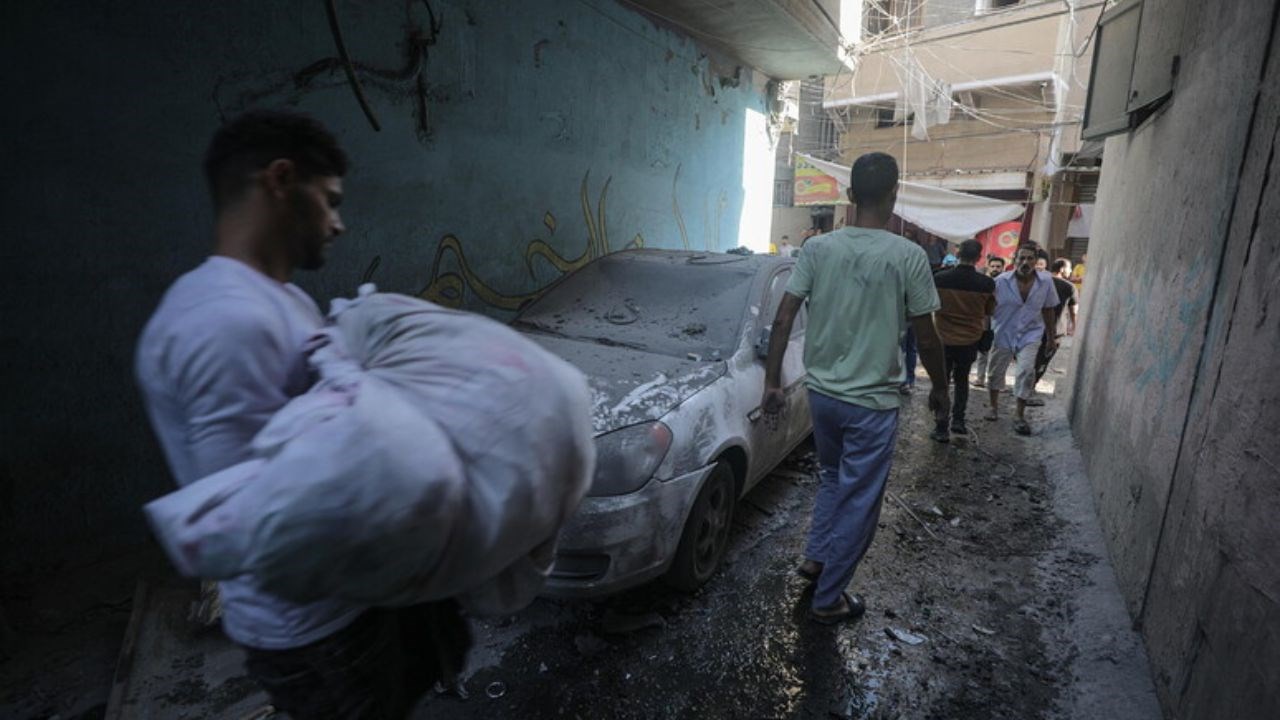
678, 305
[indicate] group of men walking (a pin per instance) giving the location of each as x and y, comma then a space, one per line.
870, 294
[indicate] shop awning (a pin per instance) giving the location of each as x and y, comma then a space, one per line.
946, 213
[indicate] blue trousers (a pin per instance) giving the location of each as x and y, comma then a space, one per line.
911, 352
855, 451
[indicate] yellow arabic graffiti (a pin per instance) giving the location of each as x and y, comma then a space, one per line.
448, 287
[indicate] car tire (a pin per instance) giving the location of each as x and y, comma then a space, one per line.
705, 537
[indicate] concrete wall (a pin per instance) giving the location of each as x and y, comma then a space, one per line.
541, 134
792, 222
964, 143
1177, 405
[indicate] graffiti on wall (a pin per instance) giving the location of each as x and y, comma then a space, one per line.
449, 282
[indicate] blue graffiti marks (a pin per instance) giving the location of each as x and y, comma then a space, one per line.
1163, 343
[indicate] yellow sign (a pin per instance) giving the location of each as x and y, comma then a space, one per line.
814, 187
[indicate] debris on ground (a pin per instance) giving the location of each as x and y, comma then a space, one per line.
904, 636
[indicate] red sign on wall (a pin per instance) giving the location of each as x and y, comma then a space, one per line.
1001, 240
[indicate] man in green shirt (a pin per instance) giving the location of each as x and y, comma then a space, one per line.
864, 286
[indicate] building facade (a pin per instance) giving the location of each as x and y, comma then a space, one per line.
980, 96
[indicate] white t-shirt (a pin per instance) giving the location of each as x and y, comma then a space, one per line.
219, 357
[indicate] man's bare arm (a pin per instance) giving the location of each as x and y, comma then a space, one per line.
1050, 326
933, 357
778, 338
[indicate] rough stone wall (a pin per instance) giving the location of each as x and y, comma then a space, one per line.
537, 135
1177, 405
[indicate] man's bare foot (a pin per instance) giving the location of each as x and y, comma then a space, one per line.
991, 416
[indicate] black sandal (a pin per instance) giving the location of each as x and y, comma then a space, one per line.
854, 608
809, 576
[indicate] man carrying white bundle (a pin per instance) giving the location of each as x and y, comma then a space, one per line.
221, 356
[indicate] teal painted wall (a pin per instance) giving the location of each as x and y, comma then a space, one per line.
553, 130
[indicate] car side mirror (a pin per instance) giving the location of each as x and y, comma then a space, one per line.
762, 344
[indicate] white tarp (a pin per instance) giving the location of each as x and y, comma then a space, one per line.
1081, 224
945, 213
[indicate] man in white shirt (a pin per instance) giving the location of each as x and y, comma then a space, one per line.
224, 352
1025, 302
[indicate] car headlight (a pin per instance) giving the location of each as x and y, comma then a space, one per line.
627, 458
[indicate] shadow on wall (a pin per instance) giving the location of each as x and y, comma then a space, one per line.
489, 114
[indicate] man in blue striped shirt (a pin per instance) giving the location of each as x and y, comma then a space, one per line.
1025, 302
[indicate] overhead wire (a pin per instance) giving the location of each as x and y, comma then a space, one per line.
899, 30
1017, 10
987, 116
972, 111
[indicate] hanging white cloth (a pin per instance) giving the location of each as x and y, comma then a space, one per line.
946, 213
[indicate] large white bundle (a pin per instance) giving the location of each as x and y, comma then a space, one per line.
438, 456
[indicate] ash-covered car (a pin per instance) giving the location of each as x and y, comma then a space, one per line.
672, 343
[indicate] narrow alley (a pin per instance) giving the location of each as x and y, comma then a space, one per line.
989, 596
465, 359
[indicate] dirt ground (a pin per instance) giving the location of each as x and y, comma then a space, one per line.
988, 590
988, 556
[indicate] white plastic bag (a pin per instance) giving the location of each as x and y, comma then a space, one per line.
438, 456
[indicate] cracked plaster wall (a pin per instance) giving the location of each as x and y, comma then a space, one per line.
1177, 403
531, 109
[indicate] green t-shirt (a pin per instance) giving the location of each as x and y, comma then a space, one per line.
862, 286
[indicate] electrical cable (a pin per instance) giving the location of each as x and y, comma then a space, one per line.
336, 29
1011, 23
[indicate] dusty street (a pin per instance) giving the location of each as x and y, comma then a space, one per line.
996, 573
987, 568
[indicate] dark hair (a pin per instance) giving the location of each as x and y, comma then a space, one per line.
1058, 265
997, 257
970, 251
873, 178
255, 139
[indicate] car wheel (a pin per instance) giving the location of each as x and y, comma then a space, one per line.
706, 533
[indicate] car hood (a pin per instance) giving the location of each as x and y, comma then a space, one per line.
630, 386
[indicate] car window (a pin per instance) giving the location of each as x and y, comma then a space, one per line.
773, 298
773, 293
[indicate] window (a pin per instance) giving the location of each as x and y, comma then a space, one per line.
1106, 110
884, 118
1134, 65
773, 297
784, 192
986, 6
891, 16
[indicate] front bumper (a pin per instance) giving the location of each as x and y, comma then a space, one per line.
613, 543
